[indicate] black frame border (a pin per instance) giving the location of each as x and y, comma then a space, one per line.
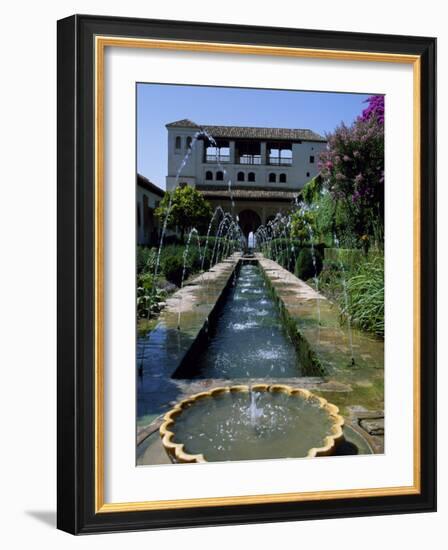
76, 263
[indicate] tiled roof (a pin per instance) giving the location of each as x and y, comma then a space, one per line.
184, 123
250, 132
215, 192
146, 184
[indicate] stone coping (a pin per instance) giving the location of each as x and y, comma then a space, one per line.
328, 339
184, 316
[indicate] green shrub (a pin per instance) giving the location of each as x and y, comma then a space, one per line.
194, 258
148, 295
366, 296
210, 241
351, 258
146, 259
305, 268
173, 266
330, 280
171, 240
286, 257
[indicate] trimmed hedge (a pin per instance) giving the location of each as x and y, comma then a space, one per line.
305, 268
349, 257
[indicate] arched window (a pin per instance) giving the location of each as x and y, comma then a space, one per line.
272, 177
208, 175
178, 142
282, 178
219, 176
240, 176
251, 176
188, 142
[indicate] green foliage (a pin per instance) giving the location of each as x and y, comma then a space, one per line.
330, 217
312, 190
286, 258
146, 259
366, 296
173, 267
350, 258
330, 279
305, 268
150, 291
303, 224
173, 257
148, 295
188, 209
285, 252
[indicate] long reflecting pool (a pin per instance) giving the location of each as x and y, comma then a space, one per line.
247, 339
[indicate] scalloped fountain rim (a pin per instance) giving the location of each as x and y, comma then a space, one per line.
177, 451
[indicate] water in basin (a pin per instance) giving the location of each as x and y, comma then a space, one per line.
251, 425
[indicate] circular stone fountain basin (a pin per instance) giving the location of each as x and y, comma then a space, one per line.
244, 423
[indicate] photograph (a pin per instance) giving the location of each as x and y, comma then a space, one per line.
260, 239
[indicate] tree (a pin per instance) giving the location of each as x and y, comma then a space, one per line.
186, 208
353, 170
303, 224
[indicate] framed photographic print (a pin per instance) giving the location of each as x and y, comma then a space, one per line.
246, 274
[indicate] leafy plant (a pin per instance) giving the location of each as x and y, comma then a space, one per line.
173, 267
366, 296
148, 295
146, 259
312, 190
330, 280
185, 208
305, 268
303, 225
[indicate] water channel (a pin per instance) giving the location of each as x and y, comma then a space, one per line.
247, 339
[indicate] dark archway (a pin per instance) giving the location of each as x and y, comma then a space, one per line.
249, 221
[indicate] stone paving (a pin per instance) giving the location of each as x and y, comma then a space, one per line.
358, 390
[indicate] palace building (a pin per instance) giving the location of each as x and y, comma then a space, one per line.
267, 166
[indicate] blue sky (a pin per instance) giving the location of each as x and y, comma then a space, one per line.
159, 104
